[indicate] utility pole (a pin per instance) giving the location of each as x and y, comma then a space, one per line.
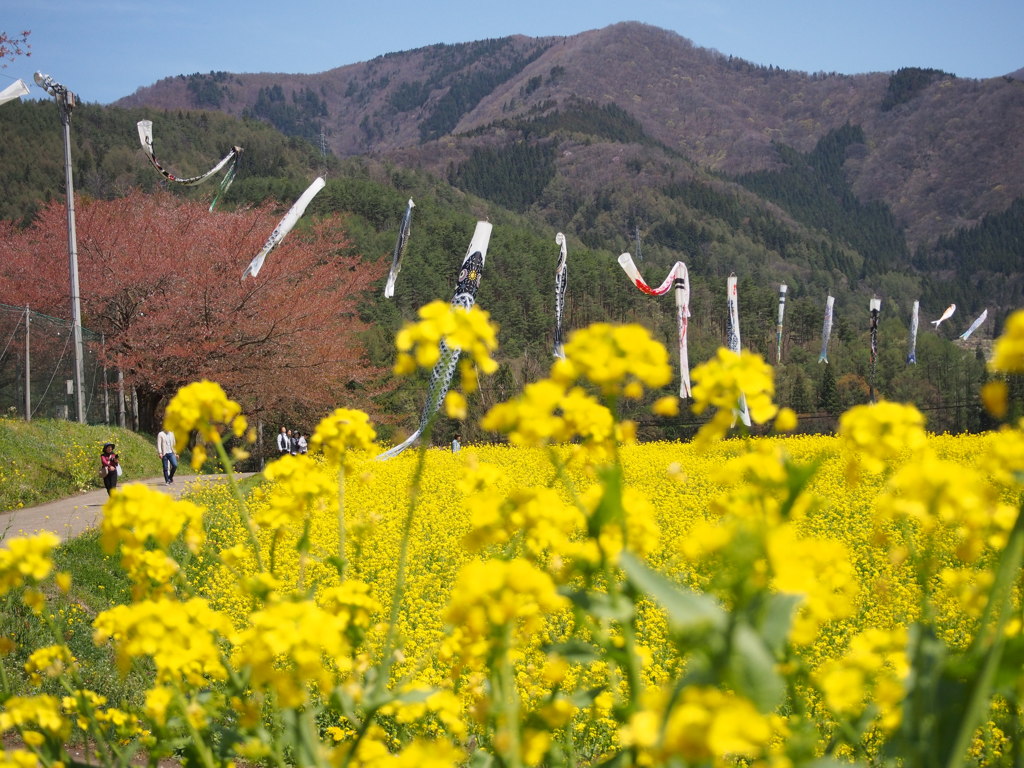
65, 103
28, 367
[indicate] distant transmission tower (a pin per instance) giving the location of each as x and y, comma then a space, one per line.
323, 144
639, 253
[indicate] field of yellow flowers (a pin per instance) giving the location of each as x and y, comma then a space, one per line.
568, 598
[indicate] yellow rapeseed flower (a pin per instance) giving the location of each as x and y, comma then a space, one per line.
1008, 351
26, 559
203, 406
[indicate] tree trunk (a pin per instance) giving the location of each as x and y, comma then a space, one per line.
149, 402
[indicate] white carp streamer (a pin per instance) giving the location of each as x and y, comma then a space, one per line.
146, 139
778, 323
400, 245
561, 279
975, 325
284, 227
733, 338
912, 351
826, 330
13, 91
470, 272
679, 280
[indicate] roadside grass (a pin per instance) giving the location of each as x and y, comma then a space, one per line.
46, 459
97, 583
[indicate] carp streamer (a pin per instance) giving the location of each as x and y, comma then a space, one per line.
400, 245
466, 287
875, 306
778, 323
912, 351
146, 139
826, 329
945, 316
13, 91
678, 279
974, 326
732, 334
284, 227
561, 278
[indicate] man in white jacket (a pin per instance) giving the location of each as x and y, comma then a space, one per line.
165, 448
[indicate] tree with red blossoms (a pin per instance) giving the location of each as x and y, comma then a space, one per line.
161, 277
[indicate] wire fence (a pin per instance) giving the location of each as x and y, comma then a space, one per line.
37, 369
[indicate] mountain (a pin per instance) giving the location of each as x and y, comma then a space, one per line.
940, 151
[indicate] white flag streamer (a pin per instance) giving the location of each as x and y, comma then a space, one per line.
284, 227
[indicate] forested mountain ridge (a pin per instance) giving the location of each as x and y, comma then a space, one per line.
941, 151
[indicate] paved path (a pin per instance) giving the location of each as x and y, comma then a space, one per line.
71, 516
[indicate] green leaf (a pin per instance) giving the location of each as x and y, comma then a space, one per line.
687, 611
777, 620
753, 670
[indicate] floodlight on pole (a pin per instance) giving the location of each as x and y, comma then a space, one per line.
66, 101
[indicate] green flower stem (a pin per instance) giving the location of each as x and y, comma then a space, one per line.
990, 640
342, 559
243, 513
510, 703
391, 638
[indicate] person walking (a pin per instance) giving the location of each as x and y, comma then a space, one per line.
456, 443
169, 457
110, 467
284, 443
303, 443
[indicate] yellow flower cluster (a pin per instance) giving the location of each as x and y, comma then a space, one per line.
471, 331
26, 559
286, 646
820, 571
343, 431
145, 523
300, 486
498, 599
723, 382
547, 412
707, 726
1008, 352
620, 360
203, 406
182, 638
870, 673
877, 434
35, 717
48, 662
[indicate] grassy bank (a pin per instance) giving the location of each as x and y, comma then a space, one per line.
45, 459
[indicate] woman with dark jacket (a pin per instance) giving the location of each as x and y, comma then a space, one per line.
108, 467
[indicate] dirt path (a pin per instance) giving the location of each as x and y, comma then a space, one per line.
71, 516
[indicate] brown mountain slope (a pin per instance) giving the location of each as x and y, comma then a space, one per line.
946, 153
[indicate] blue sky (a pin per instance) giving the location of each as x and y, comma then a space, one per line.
105, 49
